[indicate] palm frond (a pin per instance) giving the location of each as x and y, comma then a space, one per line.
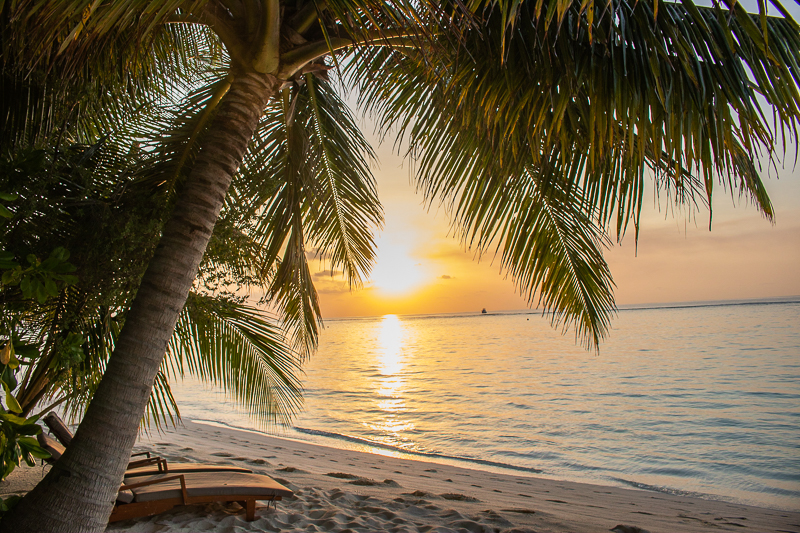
162, 408
345, 202
178, 130
590, 98
304, 184
235, 346
111, 87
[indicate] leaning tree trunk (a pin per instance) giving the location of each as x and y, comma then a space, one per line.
79, 491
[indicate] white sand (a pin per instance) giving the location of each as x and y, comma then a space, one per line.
380, 493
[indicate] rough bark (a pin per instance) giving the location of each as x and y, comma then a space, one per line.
79, 491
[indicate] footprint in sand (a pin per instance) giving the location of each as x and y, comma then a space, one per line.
419, 494
490, 516
431, 470
291, 469
341, 475
222, 454
458, 497
621, 528
366, 482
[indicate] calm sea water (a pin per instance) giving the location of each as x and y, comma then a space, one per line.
697, 400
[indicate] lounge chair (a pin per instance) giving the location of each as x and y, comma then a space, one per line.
145, 467
61, 432
157, 494
154, 464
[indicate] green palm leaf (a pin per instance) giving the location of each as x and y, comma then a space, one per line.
236, 347
305, 184
590, 98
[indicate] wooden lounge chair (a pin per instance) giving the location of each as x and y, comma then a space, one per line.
61, 432
157, 494
148, 466
154, 464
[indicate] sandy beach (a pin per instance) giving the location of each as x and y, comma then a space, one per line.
341, 490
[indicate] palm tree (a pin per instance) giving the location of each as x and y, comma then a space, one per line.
535, 122
218, 338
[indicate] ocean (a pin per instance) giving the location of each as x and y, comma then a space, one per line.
696, 399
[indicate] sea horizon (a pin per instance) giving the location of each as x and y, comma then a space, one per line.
622, 307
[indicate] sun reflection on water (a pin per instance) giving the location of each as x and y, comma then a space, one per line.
390, 385
390, 341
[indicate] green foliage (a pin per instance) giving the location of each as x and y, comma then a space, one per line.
96, 201
305, 185
59, 199
40, 280
18, 442
7, 504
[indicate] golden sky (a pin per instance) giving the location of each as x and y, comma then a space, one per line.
421, 270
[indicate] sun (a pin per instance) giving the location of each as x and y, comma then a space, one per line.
396, 272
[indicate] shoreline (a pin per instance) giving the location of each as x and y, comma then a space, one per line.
347, 490
361, 445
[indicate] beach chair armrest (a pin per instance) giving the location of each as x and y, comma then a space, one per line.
145, 462
179, 477
141, 453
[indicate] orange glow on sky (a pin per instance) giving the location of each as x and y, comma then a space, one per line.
422, 269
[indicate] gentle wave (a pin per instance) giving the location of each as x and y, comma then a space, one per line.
383, 446
668, 490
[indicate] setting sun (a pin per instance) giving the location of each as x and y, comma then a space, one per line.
396, 272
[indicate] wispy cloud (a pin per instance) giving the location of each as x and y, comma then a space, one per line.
316, 254
328, 273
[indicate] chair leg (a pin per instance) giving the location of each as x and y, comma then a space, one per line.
251, 510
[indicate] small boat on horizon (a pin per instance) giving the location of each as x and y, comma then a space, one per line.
483, 311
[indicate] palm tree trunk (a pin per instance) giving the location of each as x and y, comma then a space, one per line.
79, 491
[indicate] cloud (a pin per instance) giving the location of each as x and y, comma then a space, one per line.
316, 254
328, 273
446, 276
